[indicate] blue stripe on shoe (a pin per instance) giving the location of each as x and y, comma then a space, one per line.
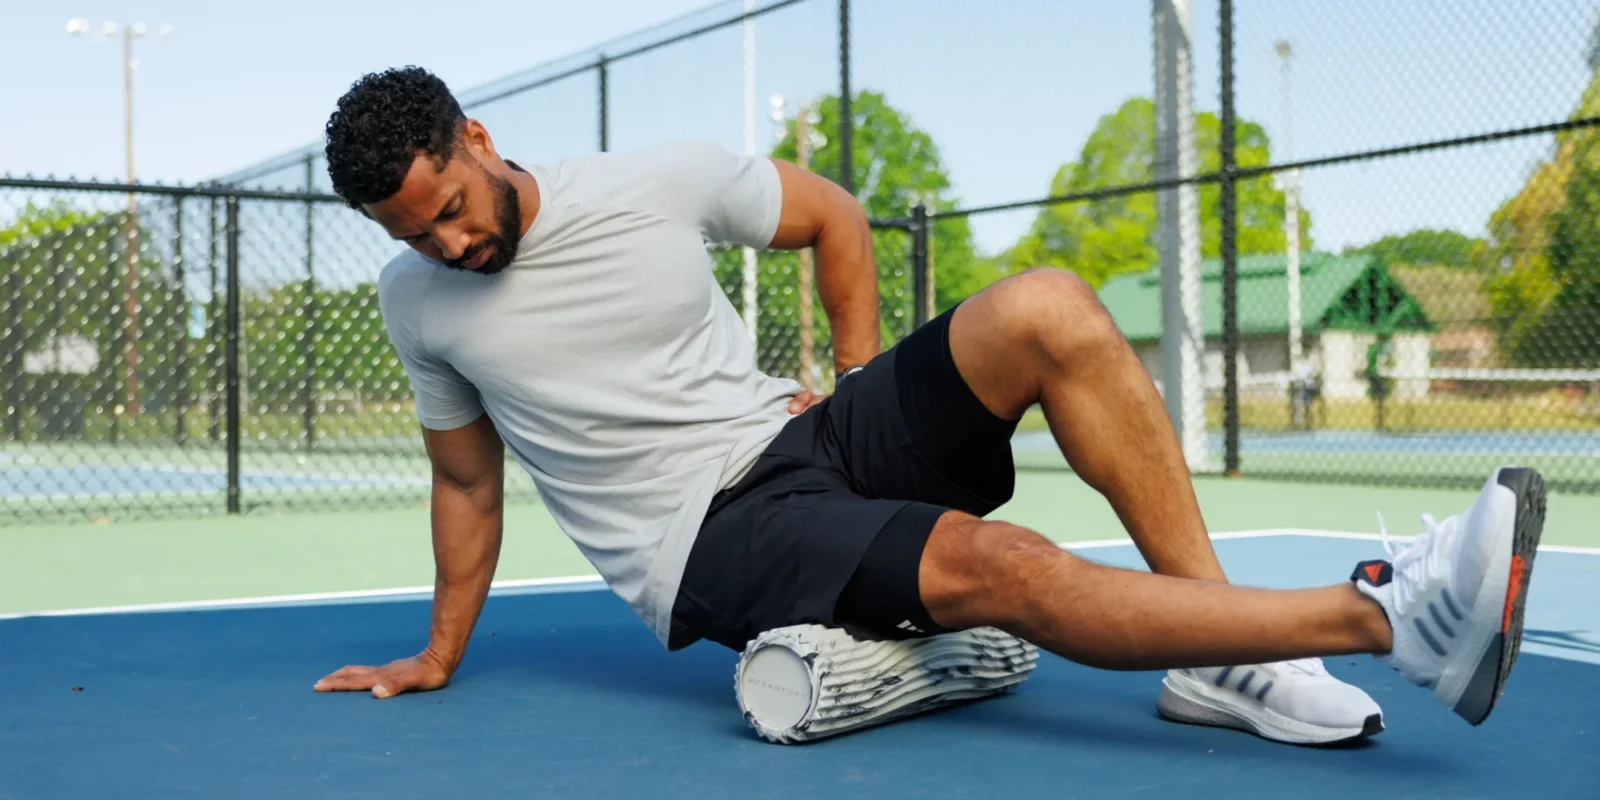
1450, 603
1262, 695
1223, 676
1438, 619
1245, 684
1427, 636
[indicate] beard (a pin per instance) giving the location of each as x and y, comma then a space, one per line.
508, 221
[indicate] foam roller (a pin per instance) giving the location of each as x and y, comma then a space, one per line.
809, 682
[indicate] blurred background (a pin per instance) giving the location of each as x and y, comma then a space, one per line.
1355, 244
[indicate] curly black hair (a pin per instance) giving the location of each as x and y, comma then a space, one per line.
380, 127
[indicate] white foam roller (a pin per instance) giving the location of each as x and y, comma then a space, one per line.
808, 682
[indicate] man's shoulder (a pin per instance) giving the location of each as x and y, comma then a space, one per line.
405, 275
664, 158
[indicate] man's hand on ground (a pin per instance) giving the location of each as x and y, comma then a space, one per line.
420, 673
804, 400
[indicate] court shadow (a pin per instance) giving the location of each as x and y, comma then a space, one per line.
616, 661
1576, 641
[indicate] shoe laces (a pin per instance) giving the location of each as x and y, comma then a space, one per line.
1411, 562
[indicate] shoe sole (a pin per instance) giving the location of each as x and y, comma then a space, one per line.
1488, 680
1185, 704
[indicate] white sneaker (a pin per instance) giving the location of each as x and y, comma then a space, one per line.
1296, 702
1455, 597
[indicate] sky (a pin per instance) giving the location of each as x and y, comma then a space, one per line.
1009, 89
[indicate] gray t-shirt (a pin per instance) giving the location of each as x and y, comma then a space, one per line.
609, 359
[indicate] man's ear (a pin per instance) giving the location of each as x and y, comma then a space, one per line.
475, 137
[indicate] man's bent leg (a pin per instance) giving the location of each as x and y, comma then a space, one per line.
1043, 337
975, 573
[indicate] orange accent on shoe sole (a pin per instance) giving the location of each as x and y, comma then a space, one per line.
1512, 590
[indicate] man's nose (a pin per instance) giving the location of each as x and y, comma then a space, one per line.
452, 242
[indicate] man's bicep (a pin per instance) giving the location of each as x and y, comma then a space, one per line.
810, 202
469, 458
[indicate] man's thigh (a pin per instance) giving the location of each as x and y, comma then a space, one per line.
783, 550
908, 427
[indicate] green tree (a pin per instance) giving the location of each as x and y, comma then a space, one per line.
353, 354
1541, 250
62, 277
1101, 239
895, 166
1423, 247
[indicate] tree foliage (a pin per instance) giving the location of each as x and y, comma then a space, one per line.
1542, 255
1424, 247
64, 279
895, 165
1101, 239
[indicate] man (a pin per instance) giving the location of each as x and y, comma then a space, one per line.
569, 312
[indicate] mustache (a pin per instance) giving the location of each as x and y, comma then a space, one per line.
461, 263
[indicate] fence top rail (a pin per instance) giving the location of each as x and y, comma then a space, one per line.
541, 75
158, 189
215, 190
1241, 173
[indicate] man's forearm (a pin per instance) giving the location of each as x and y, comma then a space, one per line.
467, 529
847, 281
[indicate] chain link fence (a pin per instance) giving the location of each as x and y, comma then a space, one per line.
1447, 265
1375, 222
190, 352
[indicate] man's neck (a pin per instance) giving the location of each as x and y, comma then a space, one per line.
527, 195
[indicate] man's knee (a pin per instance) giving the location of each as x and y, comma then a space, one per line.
1055, 313
971, 569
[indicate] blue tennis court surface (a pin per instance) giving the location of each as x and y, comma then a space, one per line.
135, 480
565, 694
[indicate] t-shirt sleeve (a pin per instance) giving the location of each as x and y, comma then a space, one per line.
444, 399
732, 198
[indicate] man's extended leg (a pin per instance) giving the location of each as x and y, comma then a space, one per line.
976, 573
1447, 612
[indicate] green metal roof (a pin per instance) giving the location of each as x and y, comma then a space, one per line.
1354, 292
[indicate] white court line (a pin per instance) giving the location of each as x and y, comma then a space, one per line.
1373, 537
585, 583
570, 583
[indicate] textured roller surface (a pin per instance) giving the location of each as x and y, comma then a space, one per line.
809, 682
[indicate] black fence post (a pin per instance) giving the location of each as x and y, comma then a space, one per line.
919, 265
847, 175
213, 334
310, 343
231, 358
1230, 257
605, 103
180, 308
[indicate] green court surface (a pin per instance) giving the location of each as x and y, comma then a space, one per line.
70, 566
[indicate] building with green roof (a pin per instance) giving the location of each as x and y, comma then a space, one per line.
1346, 303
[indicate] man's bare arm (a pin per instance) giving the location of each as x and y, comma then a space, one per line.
819, 214
468, 523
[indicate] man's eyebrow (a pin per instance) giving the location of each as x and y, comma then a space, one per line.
448, 202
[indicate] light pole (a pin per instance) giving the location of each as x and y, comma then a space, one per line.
750, 275
138, 30
1289, 183
807, 141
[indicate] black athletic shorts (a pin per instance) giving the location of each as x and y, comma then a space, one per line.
829, 525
